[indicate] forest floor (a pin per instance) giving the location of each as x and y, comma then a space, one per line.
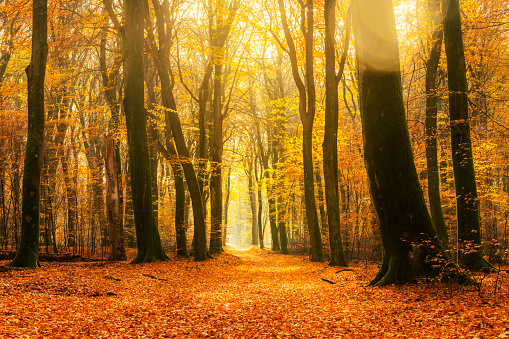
245, 293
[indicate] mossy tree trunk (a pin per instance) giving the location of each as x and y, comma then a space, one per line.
27, 255
467, 202
435, 204
405, 224
330, 139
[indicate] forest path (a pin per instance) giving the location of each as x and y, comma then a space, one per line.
244, 293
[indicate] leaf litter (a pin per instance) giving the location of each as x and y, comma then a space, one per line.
244, 293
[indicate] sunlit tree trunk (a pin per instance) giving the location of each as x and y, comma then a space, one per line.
216, 177
252, 200
27, 255
467, 202
405, 224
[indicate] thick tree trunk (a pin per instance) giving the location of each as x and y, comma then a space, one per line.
141, 179
321, 200
467, 203
405, 224
330, 140
435, 204
27, 255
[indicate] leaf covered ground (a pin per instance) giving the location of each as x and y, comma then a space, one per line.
246, 293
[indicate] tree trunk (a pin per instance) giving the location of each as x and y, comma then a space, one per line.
216, 178
173, 128
27, 255
141, 181
252, 204
435, 204
405, 224
226, 205
307, 116
330, 140
113, 207
467, 203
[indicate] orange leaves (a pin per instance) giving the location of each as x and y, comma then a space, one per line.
259, 295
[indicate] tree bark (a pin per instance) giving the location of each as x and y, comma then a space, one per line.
467, 202
330, 139
27, 255
435, 204
216, 177
141, 179
113, 207
174, 128
307, 115
405, 224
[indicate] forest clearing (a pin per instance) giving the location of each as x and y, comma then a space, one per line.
245, 293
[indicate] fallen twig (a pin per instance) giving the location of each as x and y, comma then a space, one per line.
111, 278
153, 277
345, 269
329, 281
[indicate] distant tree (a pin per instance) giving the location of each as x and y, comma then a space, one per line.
27, 255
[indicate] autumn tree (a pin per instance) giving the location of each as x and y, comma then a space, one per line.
307, 98
113, 168
160, 52
220, 32
27, 254
467, 202
432, 64
149, 243
330, 139
402, 214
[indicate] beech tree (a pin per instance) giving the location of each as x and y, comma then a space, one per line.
330, 139
307, 97
147, 234
467, 202
405, 224
432, 63
28, 252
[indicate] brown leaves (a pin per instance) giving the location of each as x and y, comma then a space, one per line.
256, 296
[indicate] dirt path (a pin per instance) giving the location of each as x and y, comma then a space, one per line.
246, 293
